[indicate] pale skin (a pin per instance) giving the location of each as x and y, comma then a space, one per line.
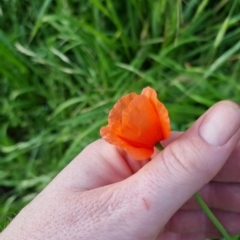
104, 194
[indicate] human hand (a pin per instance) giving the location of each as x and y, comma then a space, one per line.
104, 194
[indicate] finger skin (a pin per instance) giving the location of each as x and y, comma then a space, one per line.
196, 221
230, 172
182, 236
173, 137
99, 164
222, 196
231, 169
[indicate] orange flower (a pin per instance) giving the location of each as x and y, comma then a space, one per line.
136, 123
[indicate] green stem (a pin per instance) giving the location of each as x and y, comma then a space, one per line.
211, 216
159, 146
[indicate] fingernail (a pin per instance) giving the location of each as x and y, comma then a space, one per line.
220, 123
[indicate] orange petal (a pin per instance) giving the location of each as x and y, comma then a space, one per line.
136, 123
161, 111
139, 153
136, 152
149, 93
115, 115
140, 122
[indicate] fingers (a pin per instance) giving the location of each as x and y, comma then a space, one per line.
174, 136
191, 161
230, 172
99, 164
231, 169
196, 221
222, 196
181, 236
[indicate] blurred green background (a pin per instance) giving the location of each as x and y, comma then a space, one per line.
63, 64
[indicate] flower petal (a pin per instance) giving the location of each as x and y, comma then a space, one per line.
140, 122
135, 150
139, 153
115, 115
136, 123
161, 111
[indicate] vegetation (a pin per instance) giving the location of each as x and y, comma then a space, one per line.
63, 63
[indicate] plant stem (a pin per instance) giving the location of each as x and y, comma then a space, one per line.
211, 216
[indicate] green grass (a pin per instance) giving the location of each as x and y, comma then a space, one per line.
63, 64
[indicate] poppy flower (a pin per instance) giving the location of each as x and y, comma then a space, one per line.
136, 123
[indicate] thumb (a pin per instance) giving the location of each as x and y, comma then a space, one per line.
191, 161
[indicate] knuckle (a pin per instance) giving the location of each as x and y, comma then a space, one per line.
184, 157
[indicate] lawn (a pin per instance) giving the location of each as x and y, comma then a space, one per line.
63, 64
